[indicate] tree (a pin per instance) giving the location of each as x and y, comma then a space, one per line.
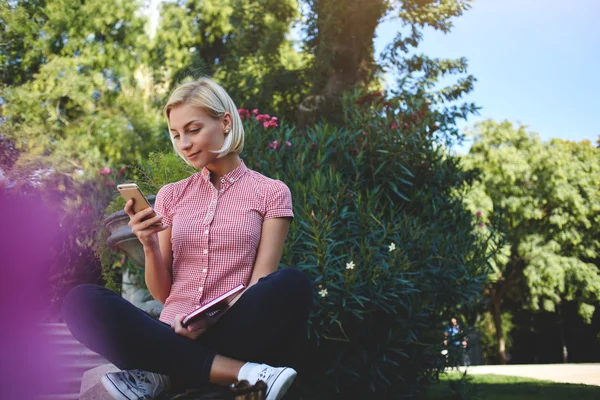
99, 34
242, 43
547, 198
340, 36
71, 96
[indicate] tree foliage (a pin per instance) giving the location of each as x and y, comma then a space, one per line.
547, 196
242, 43
71, 96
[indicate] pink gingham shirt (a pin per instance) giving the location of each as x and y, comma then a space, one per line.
215, 233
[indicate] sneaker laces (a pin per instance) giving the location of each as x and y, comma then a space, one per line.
150, 382
265, 374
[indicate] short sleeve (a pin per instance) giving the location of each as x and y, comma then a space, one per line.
278, 201
163, 205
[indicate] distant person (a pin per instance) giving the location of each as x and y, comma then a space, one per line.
458, 340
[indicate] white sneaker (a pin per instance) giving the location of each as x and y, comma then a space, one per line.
135, 384
278, 380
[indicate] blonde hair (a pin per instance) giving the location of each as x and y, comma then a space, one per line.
209, 95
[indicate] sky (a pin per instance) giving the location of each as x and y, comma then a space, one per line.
537, 62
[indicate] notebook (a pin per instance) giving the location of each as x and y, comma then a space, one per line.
212, 305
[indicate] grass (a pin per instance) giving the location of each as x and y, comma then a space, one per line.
499, 387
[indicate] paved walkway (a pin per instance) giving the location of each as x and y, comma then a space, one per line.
588, 374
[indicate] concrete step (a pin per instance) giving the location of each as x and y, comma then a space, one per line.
73, 359
77, 354
62, 396
68, 384
80, 365
65, 343
55, 329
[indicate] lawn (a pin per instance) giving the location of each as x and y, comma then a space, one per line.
498, 387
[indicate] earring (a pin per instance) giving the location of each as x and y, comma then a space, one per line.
226, 130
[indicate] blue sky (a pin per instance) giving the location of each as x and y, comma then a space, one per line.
536, 62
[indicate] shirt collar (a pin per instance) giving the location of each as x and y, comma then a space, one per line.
229, 178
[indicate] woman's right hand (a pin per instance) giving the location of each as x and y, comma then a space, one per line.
145, 224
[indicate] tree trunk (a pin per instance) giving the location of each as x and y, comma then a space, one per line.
497, 316
344, 52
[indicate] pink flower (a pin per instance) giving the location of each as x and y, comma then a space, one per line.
244, 113
268, 122
313, 145
263, 117
255, 111
479, 213
405, 125
288, 144
364, 133
122, 260
481, 224
273, 145
394, 126
122, 169
105, 171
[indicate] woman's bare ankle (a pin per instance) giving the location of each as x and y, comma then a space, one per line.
225, 370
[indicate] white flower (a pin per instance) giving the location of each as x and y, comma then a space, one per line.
323, 292
392, 246
350, 265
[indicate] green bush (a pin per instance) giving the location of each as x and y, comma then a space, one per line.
381, 229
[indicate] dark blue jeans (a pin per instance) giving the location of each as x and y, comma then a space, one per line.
265, 325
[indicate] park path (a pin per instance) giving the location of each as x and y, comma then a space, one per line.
587, 374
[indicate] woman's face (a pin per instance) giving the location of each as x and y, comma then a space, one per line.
194, 133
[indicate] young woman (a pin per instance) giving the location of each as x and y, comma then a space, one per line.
222, 226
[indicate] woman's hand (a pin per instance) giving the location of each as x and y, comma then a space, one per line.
194, 329
145, 224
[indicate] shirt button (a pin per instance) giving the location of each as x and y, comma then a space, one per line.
204, 271
200, 289
205, 251
206, 232
222, 180
231, 180
222, 190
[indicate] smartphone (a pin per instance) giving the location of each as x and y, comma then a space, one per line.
132, 191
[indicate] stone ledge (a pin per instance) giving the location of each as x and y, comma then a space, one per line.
91, 387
